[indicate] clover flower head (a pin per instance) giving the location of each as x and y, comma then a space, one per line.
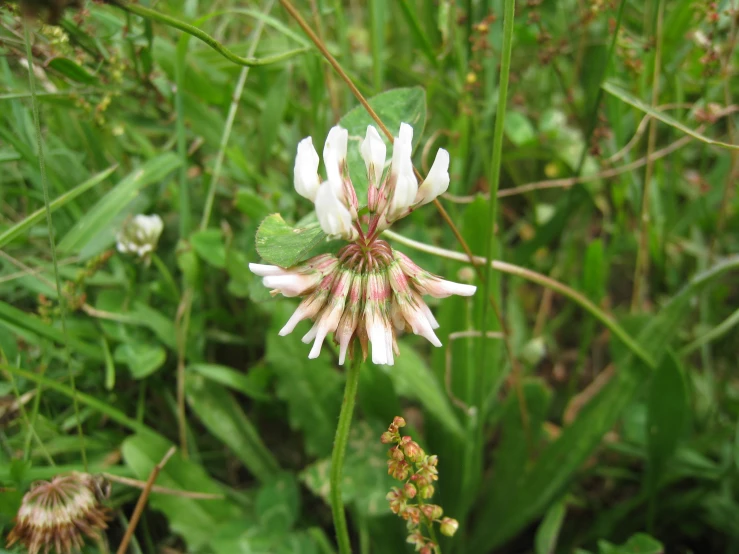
59, 512
140, 235
367, 291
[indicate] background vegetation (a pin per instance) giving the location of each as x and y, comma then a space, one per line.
606, 417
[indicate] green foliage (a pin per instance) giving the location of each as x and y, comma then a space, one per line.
590, 441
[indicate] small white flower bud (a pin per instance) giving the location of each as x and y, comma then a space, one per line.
373, 152
306, 170
406, 186
334, 152
334, 217
437, 181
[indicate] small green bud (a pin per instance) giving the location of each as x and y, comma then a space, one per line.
449, 526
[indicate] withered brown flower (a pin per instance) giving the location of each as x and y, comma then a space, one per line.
57, 513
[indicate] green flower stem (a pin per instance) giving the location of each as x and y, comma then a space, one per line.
337, 456
205, 37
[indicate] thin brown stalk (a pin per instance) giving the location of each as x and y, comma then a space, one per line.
330, 85
162, 490
641, 272
139, 509
444, 214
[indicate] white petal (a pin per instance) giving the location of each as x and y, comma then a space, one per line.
441, 288
310, 335
263, 270
429, 315
298, 316
376, 334
437, 180
406, 186
373, 152
333, 216
292, 284
334, 151
306, 170
316, 350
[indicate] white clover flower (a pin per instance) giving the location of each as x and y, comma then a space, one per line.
366, 291
140, 235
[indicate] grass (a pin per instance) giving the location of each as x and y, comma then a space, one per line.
602, 419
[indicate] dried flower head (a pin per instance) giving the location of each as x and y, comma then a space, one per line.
140, 235
57, 513
366, 291
408, 462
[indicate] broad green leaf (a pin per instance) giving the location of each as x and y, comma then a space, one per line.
251, 204
518, 128
400, 105
72, 70
278, 504
548, 532
285, 246
311, 388
231, 378
667, 410
545, 481
632, 100
365, 479
102, 215
412, 378
224, 418
208, 244
142, 358
273, 113
195, 520
37, 216
640, 543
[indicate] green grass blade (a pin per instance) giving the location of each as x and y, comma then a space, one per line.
635, 102
15, 319
28, 222
97, 405
102, 214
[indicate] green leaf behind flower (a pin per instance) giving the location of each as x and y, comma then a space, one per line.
285, 246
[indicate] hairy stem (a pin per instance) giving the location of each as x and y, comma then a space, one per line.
337, 456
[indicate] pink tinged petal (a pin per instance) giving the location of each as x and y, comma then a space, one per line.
334, 217
292, 284
373, 152
437, 180
398, 279
264, 270
306, 170
350, 319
